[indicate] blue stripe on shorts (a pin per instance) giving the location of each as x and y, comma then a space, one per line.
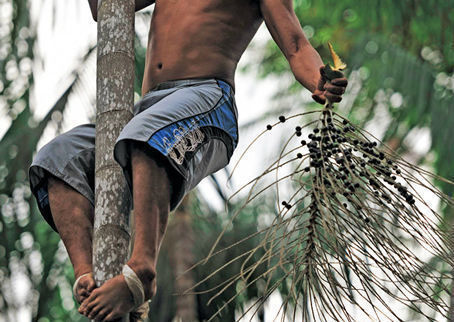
221, 116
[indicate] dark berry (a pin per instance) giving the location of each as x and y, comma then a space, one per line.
269, 127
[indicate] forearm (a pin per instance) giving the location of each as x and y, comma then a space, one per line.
305, 65
139, 4
286, 31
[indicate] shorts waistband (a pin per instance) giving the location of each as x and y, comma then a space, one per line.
179, 82
184, 82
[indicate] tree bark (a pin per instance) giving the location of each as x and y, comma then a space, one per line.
115, 98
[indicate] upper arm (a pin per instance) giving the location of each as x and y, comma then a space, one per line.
283, 24
139, 4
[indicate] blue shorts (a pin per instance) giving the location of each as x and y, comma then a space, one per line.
189, 125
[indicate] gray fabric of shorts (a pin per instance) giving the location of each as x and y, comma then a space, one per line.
188, 125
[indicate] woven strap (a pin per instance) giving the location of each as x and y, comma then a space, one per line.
76, 283
134, 285
140, 314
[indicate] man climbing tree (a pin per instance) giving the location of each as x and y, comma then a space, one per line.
184, 129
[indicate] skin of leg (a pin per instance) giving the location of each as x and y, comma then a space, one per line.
151, 194
73, 216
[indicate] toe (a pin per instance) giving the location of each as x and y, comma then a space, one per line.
91, 285
112, 316
88, 283
88, 305
84, 287
82, 306
102, 314
94, 313
81, 295
81, 309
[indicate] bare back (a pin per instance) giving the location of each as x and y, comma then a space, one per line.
198, 39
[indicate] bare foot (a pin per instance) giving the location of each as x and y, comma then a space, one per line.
111, 301
84, 287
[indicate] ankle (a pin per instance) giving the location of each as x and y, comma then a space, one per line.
146, 271
81, 270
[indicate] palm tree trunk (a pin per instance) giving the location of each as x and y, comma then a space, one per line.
114, 97
182, 259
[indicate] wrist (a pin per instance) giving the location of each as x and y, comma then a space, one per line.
307, 71
309, 80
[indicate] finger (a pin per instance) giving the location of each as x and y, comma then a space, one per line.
321, 84
323, 72
319, 99
333, 98
339, 82
333, 74
335, 89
